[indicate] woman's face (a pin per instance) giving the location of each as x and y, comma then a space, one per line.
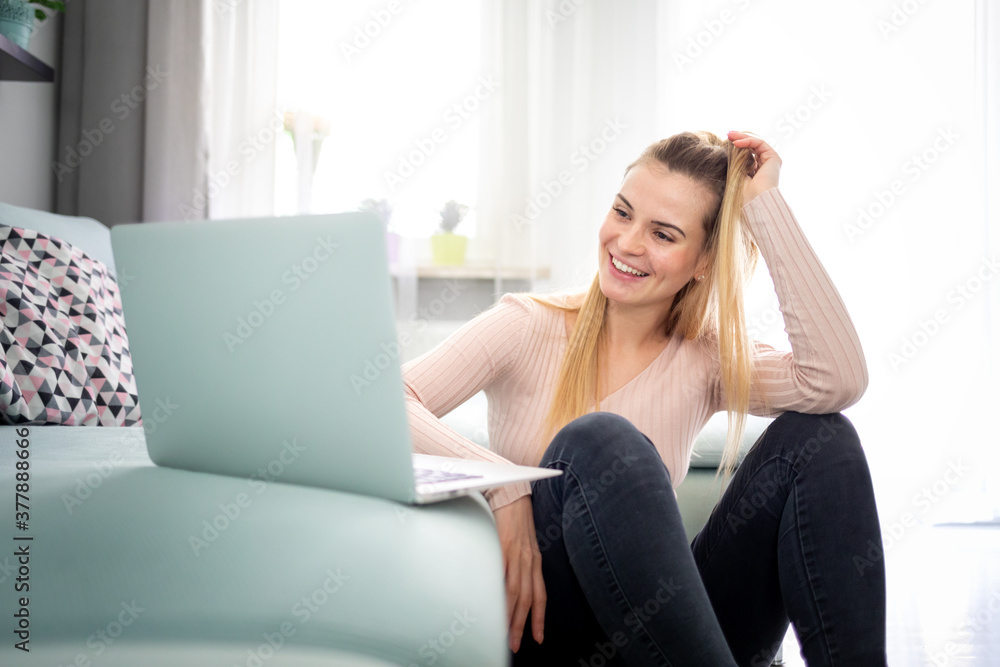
651, 239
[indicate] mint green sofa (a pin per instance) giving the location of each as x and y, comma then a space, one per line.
134, 564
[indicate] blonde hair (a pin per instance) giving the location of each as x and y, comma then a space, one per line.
710, 311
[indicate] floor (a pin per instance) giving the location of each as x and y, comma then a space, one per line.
943, 598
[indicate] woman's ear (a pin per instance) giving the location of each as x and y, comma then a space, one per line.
702, 267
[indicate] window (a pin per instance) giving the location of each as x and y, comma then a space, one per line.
399, 85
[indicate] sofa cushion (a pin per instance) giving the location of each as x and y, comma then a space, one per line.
64, 356
85, 233
710, 444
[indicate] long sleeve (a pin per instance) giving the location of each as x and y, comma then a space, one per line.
826, 369
478, 354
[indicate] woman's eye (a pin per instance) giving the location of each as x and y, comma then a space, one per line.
619, 212
663, 237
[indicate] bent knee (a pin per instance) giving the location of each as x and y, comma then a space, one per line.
823, 436
598, 435
595, 422
595, 429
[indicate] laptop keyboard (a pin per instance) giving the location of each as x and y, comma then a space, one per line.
431, 476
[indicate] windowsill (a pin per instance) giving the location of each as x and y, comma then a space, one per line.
472, 272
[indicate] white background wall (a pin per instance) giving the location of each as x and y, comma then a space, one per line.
28, 120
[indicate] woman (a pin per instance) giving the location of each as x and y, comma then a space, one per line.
598, 569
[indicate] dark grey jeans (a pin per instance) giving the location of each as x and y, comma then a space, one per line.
792, 538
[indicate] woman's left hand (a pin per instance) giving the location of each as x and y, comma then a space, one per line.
768, 164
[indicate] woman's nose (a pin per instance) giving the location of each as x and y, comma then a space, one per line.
630, 240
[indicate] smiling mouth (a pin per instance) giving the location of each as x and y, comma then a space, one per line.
625, 268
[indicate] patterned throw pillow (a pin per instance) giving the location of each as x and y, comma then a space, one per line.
64, 356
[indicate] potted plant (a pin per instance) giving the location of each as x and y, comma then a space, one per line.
17, 18
447, 247
383, 211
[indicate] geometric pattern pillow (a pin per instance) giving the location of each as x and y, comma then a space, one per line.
64, 356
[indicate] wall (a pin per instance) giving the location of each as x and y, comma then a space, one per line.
28, 118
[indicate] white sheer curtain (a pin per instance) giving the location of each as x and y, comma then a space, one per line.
988, 83
176, 149
575, 106
211, 126
244, 118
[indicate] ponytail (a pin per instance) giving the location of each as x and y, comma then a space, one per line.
736, 258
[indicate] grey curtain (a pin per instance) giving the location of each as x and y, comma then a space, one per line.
130, 85
101, 126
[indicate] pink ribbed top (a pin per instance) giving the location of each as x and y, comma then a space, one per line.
513, 352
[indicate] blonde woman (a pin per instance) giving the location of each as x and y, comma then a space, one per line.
612, 386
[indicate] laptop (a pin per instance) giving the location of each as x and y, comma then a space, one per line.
266, 348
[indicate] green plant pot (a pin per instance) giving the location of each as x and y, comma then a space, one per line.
17, 19
449, 249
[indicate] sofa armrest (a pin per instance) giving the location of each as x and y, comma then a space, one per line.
214, 563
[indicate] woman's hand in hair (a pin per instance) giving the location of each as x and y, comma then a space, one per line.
767, 167
522, 569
